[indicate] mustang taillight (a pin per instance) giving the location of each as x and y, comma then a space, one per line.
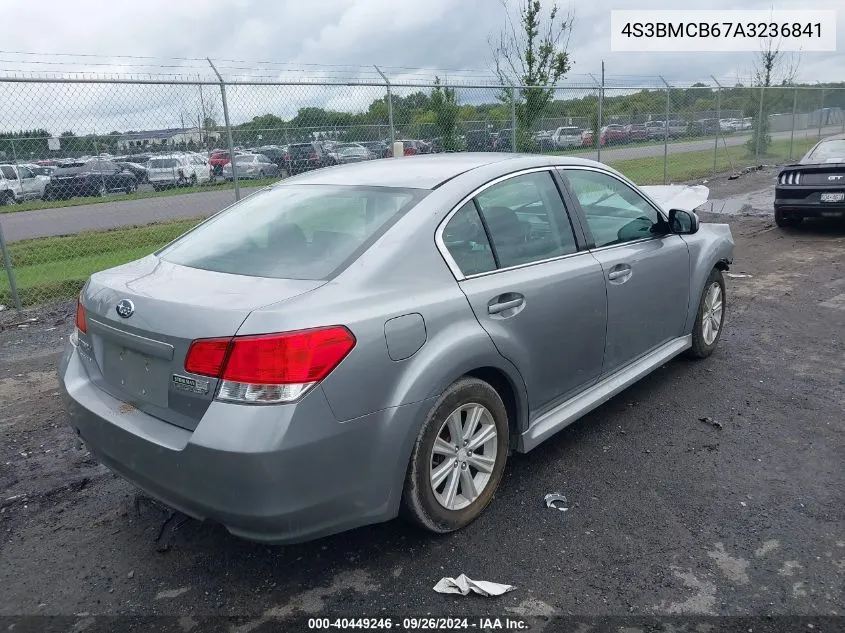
790, 178
81, 321
270, 368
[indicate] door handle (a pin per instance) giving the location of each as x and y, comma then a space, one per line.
619, 273
496, 308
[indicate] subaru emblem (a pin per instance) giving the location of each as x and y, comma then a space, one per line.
125, 308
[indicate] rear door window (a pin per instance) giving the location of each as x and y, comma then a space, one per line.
293, 231
526, 220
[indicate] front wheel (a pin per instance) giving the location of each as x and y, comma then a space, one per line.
711, 317
458, 458
131, 188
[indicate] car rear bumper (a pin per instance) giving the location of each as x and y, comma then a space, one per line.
808, 204
277, 474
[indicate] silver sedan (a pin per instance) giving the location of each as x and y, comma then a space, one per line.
377, 338
252, 166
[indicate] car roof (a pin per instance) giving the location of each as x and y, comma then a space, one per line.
427, 171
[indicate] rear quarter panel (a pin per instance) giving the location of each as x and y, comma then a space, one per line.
712, 245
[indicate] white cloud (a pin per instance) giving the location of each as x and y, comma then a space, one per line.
334, 39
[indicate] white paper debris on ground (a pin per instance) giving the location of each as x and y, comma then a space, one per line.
463, 585
556, 500
738, 275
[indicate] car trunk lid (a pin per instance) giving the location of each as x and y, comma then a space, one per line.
142, 317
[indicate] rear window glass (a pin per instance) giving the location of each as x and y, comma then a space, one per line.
162, 163
8, 172
293, 231
829, 149
300, 150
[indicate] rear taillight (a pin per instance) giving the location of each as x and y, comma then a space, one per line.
790, 178
270, 368
81, 321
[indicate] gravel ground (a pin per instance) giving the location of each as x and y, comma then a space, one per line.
669, 514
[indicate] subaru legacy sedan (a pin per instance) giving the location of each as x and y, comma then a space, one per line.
375, 339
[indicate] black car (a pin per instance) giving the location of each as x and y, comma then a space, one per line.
704, 127
92, 177
138, 170
275, 153
303, 157
378, 149
479, 141
814, 186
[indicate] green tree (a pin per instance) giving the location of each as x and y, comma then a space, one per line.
444, 103
772, 67
531, 52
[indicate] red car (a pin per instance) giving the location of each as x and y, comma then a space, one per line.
219, 158
613, 135
636, 132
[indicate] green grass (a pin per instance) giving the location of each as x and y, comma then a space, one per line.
690, 165
36, 205
55, 268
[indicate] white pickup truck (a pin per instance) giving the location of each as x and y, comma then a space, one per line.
18, 183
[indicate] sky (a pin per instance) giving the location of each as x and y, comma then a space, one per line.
334, 39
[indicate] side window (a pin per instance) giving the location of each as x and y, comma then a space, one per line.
615, 212
467, 243
24, 172
526, 219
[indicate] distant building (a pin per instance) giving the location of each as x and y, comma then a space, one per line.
172, 136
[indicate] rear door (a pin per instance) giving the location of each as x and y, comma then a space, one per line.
539, 297
30, 186
646, 272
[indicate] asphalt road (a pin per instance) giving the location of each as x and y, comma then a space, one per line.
667, 514
106, 215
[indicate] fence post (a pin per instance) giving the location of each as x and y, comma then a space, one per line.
718, 122
513, 119
759, 126
389, 106
600, 87
792, 133
821, 108
228, 130
666, 134
7, 263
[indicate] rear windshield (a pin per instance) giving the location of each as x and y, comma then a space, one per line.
300, 150
162, 163
293, 231
829, 149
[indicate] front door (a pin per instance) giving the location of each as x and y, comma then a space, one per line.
541, 300
646, 270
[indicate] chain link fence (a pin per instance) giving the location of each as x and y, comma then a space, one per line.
95, 173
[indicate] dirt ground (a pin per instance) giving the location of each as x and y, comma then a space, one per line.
669, 514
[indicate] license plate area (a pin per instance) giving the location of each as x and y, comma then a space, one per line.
833, 197
140, 377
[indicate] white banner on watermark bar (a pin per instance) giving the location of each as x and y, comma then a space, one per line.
722, 31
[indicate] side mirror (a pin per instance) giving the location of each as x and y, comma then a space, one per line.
683, 222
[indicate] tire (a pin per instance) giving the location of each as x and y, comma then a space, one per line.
131, 188
703, 339
261, 174
7, 198
101, 190
421, 501
156, 188
784, 221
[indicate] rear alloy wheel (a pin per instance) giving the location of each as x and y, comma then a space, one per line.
711, 317
7, 198
458, 458
783, 220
